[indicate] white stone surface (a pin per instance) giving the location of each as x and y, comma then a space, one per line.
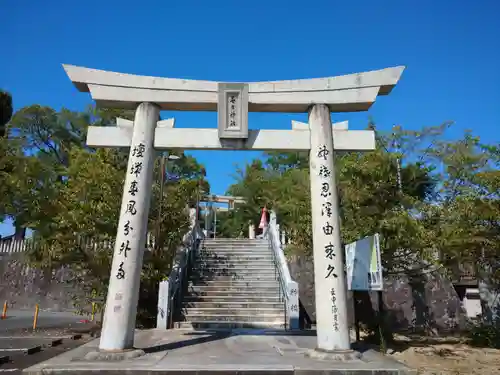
297, 125
329, 279
251, 232
123, 122
472, 303
109, 136
292, 287
349, 100
208, 139
385, 78
277, 352
162, 316
123, 291
352, 92
167, 123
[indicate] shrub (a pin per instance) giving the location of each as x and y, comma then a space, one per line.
485, 333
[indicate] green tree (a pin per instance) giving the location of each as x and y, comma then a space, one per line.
6, 164
465, 223
371, 200
254, 184
5, 111
69, 193
87, 208
33, 166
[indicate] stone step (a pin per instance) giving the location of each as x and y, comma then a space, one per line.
234, 293
271, 287
234, 254
226, 311
238, 257
231, 305
234, 298
237, 317
235, 284
229, 252
260, 263
236, 247
216, 272
235, 243
234, 264
235, 240
233, 278
234, 288
239, 272
227, 325
216, 256
238, 267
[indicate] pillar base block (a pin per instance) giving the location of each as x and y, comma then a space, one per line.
334, 355
114, 355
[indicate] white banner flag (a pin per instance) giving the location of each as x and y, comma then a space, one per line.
364, 264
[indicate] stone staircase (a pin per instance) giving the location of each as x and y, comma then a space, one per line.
232, 285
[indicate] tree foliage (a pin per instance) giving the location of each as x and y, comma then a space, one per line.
5, 111
447, 202
70, 195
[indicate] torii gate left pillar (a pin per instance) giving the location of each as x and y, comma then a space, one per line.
318, 97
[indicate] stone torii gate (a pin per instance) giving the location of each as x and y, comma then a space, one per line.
148, 95
226, 199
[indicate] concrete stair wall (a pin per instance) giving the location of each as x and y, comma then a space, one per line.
233, 284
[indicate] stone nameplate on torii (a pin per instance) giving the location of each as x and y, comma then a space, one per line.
318, 97
232, 110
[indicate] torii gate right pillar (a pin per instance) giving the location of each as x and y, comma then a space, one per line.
329, 278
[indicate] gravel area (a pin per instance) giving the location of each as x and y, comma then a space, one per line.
445, 356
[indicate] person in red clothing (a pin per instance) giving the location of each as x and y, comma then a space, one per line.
264, 222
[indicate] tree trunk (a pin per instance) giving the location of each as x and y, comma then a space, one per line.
20, 232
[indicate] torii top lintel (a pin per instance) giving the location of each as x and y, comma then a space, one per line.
347, 93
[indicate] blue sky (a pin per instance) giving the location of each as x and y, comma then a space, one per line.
451, 50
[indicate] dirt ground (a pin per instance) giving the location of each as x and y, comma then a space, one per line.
445, 356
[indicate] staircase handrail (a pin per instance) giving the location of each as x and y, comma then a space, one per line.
170, 289
289, 287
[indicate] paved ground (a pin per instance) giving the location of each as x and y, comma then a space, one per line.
22, 319
57, 332
19, 360
190, 352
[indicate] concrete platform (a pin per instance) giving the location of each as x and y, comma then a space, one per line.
237, 352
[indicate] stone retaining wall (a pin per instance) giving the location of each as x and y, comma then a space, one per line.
430, 303
23, 287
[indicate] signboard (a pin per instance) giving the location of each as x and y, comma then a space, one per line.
232, 108
172, 177
364, 264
